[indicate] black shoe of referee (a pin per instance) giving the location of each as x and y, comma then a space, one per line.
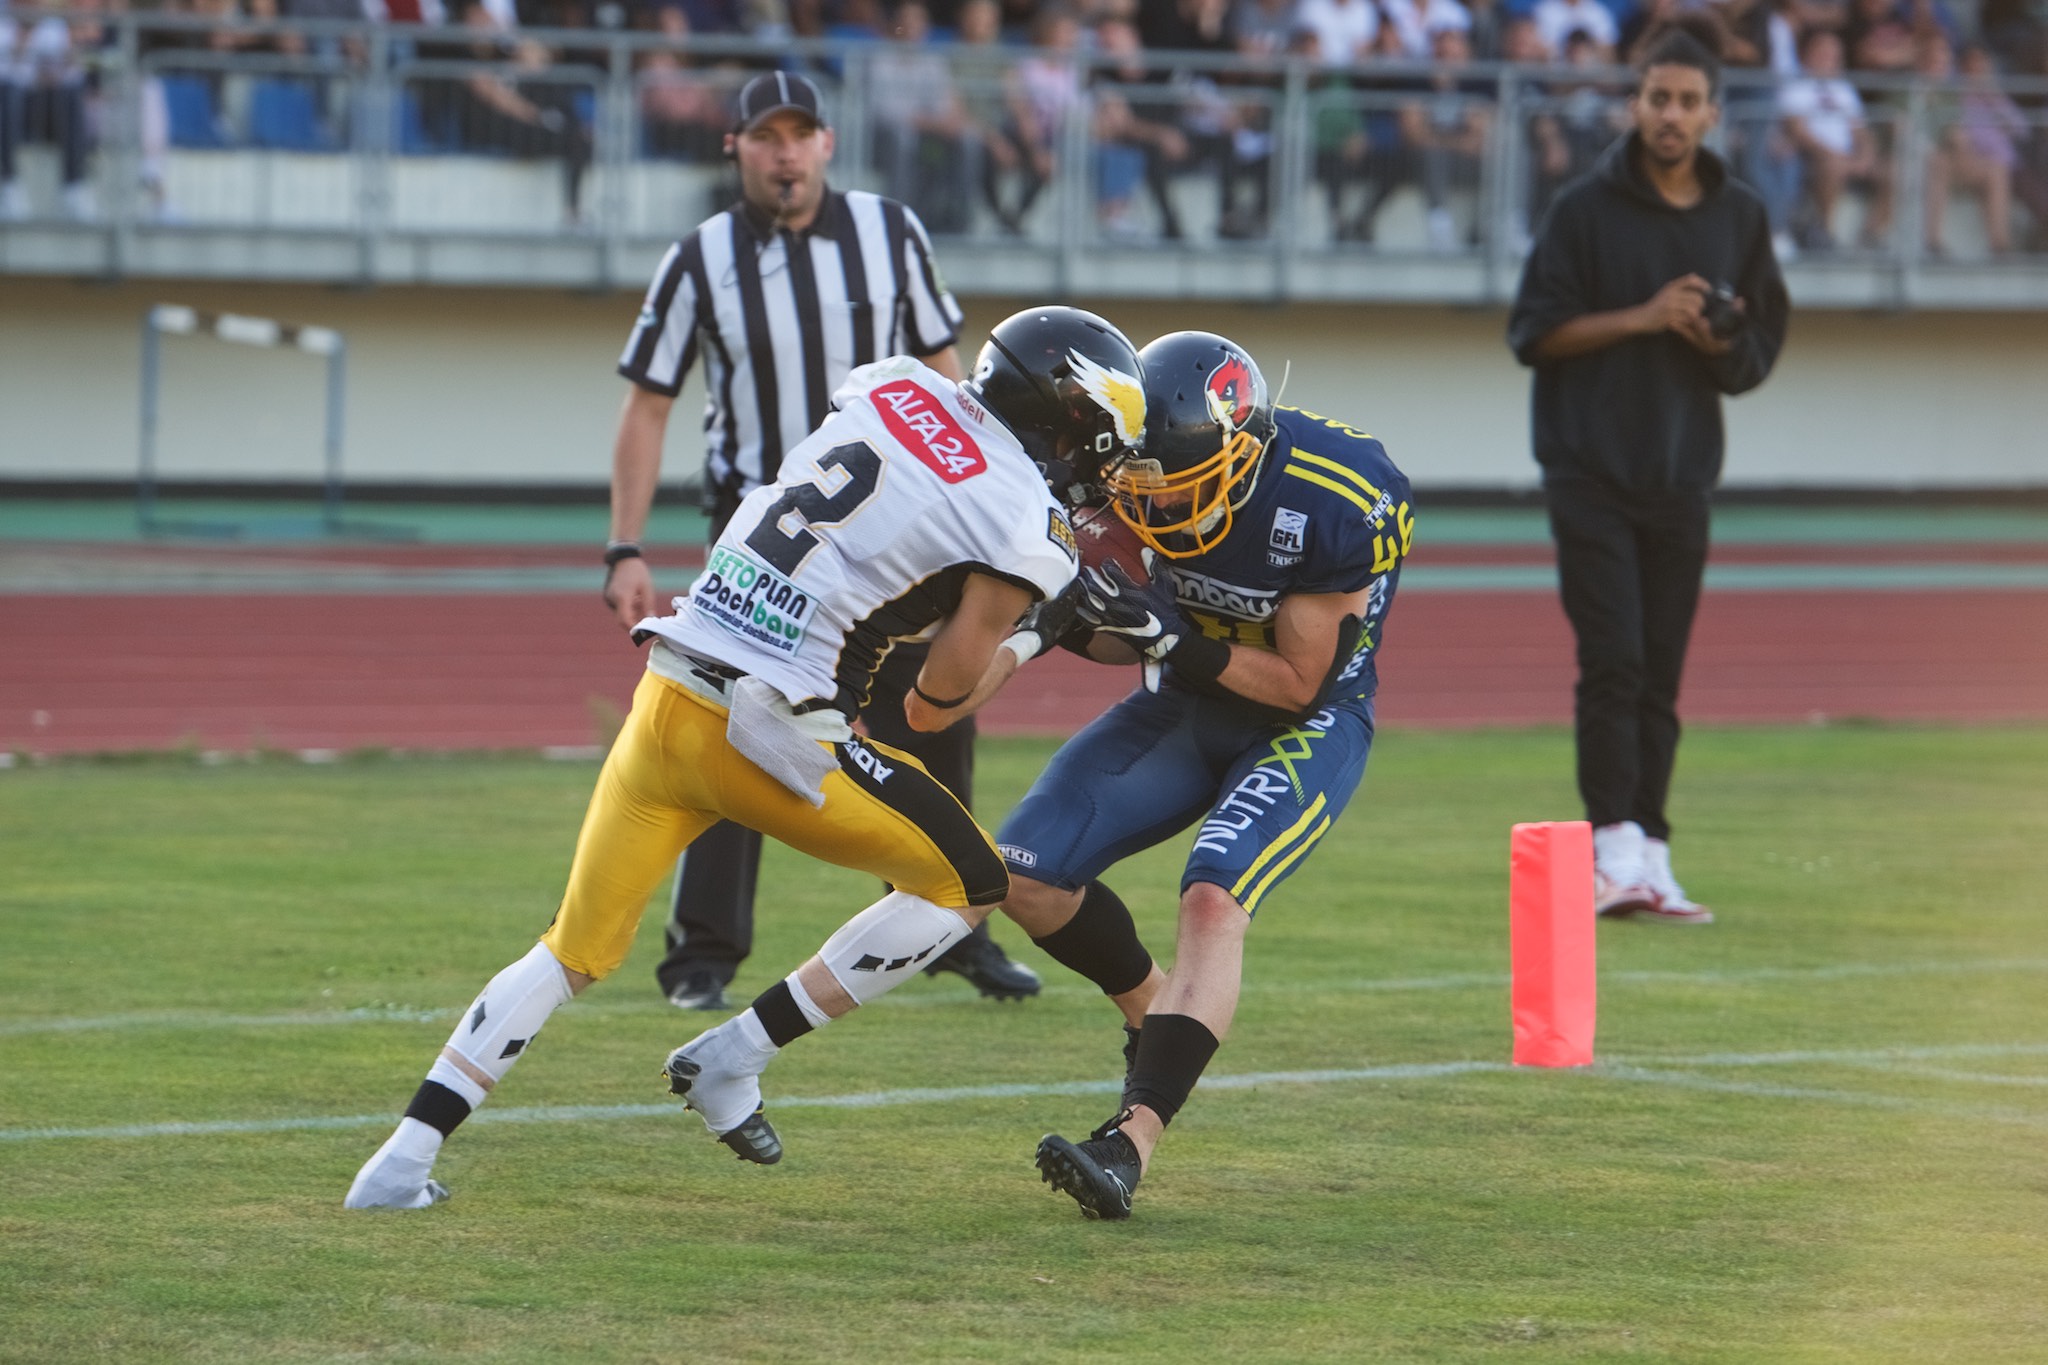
1101, 1173
977, 958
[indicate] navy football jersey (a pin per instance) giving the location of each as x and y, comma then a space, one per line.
1330, 513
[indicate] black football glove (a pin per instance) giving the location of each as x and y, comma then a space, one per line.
1144, 616
1047, 623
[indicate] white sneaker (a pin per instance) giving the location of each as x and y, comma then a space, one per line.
1672, 902
79, 205
1443, 230
13, 202
397, 1177
1621, 879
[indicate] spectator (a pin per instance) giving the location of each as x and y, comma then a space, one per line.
1261, 28
1879, 37
1345, 29
981, 66
682, 115
1184, 25
1340, 143
1627, 427
1976, 136
1136, 136
1415, 22
1489, 30
1446, 133
524, 111
1824, 119
1557, 20
922, 132
2014, 32
1581, 120
1041, 92
42, 99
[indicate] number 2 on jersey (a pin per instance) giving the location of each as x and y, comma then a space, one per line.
787, 549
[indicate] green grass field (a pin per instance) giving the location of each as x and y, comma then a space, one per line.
1817, 1132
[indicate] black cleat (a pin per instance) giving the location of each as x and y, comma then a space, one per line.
753, 1140
1101, 1173
698, 990
977, 958
1130, 1053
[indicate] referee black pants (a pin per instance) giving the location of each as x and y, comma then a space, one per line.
711, 921
1629, 567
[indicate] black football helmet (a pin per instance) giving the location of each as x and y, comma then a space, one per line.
1208, 421
1056, 372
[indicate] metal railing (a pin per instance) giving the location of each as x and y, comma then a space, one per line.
610, 141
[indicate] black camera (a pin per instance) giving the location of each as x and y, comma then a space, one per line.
1723, 318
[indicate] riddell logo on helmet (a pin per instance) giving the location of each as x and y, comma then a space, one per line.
928, 431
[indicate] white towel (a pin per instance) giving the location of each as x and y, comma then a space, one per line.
786, 745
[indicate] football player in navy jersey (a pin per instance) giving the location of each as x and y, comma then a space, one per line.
1276, 540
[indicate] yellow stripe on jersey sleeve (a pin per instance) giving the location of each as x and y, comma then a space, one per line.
1251, 902
1272, 849
1342, 491
1343, 471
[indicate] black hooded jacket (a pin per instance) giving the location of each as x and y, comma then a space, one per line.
1644, 415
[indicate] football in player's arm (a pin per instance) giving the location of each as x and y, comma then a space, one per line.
1277, 538
744, 711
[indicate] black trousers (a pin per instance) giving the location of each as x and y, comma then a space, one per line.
711, 919
1629, 567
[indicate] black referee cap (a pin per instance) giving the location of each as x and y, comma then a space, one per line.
764, 95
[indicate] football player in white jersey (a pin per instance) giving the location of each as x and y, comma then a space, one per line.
920, 509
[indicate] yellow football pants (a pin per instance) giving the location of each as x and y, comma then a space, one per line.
671, 775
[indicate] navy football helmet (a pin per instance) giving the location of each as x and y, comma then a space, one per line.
1208, 422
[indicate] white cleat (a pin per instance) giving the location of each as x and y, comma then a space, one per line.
1672, 904
716, 1076
1621, 876
395, 1179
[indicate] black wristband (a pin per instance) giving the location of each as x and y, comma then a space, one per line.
938, 704
1199, 658
621, 549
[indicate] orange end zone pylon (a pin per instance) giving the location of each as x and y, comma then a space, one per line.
1551, 942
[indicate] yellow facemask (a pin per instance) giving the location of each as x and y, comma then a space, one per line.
1194, 505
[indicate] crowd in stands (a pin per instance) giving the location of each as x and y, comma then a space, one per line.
973, 103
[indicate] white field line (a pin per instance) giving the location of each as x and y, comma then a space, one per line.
407, 1014
871, 1099
1690, 1081
874, 1099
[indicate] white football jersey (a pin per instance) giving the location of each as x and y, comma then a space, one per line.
866, 535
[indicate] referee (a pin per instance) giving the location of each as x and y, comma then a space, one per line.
783, 294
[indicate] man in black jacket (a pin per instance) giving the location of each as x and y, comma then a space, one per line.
1650, 292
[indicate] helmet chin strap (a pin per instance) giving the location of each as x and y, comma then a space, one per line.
1286, 372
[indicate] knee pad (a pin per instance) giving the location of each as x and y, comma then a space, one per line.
1100, 942
889, 942
501, 1023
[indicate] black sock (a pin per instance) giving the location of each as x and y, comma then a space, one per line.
1173, 1050
1101, 943
780, 1015
440, 1108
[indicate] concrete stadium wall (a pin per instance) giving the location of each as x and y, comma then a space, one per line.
498, 386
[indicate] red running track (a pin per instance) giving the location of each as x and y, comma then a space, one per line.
490, 671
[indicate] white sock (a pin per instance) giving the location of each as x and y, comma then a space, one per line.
751, 1037
813, 1016
396, 1177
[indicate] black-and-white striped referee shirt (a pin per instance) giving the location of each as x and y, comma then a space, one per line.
781, 317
